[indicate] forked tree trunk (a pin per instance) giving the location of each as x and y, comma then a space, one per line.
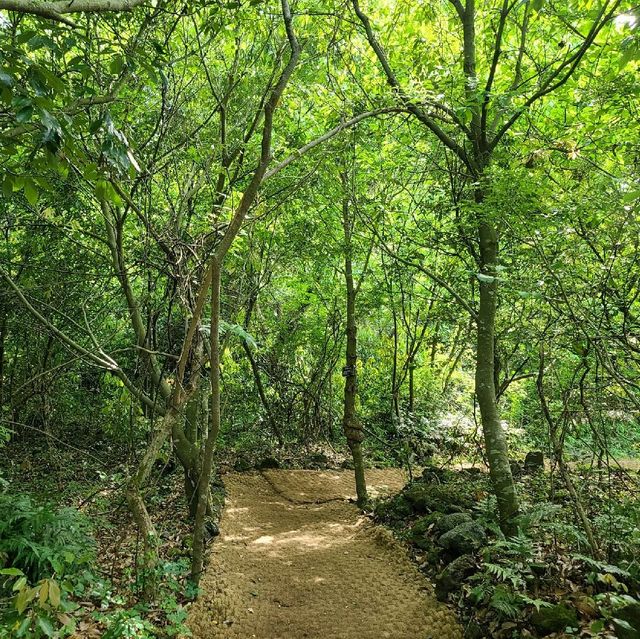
149, 561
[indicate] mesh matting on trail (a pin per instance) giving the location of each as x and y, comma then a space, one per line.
297, 561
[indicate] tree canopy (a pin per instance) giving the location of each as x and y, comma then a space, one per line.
238, 227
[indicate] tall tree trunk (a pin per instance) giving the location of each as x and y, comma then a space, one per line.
495, 441
350, 423
214, 428
3, 337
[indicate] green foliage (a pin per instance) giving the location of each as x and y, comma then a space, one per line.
127, 624
42, 541
134, 622
38, 610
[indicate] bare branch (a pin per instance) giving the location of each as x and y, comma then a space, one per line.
55, 10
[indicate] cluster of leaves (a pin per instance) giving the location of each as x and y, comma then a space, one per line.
46, 554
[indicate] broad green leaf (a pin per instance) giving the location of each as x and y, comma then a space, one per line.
24, 114
31, 191
54, 593
44, 623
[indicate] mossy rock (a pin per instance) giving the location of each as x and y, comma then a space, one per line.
393, 510
554, 618
431, 473
465, 538
448, 522
453, 575
445, 498
627, 621
417, 534
316, 460
242, 464
420, 526
269, 463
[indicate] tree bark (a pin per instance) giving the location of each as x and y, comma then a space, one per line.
55, 10
214, 428
137, 506
350, 423
495, 441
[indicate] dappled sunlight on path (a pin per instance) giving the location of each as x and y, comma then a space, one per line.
295, 560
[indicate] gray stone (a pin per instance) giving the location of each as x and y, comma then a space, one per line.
465, 538
453, 575
554, 618
534, 461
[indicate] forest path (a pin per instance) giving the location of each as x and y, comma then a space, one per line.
295, 560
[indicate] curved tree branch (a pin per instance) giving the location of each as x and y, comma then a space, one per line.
56, 9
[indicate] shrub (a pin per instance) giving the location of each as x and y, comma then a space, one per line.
42, 541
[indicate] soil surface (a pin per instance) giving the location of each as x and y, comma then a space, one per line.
296, 560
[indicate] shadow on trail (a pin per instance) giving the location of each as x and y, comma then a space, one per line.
296, 560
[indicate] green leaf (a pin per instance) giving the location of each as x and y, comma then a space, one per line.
6, 80
24, 114
7, 185
12, 572
106, 193
54, 593
44, 623
624, 624
20, 584
31, 191
632, 196
117, 64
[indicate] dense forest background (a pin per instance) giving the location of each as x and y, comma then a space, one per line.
248, 233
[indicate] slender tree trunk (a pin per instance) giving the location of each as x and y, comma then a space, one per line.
395, 386
137, 506
558, 454
214, 428
3, 337
352, 427
261, 393
495, 441
412, 367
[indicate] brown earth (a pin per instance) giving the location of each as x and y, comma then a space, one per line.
297, 561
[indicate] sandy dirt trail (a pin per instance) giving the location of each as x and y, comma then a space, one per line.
295, 561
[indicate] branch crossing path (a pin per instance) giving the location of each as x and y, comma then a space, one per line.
296, 560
